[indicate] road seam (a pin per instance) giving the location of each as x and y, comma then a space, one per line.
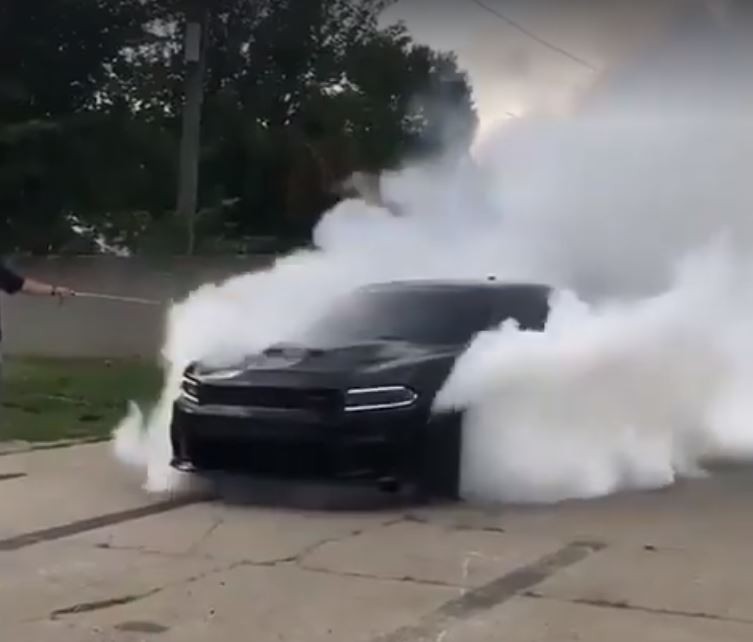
623, 605
11, 476
25, 447
25, 540
434, 625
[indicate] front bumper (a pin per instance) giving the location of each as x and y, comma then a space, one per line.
299, 445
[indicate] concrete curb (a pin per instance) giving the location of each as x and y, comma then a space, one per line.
18, 447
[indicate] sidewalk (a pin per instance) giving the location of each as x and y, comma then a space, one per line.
106, 562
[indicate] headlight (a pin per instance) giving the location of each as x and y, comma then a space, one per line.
224, 373
189, 389
381, 398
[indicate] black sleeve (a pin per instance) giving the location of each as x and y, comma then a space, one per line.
10, 282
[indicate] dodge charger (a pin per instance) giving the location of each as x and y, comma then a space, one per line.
351, 398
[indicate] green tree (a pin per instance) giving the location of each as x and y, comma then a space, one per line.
321, 91
56, 56
299, 94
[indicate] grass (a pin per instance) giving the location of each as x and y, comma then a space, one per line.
47, 400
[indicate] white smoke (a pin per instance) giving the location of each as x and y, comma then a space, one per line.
612, 396
638, 210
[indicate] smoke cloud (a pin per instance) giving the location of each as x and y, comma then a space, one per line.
638, 210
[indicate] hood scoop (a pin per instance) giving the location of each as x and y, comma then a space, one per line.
292, 351
286, 354
359, 355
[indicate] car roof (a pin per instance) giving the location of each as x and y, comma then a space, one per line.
491, 284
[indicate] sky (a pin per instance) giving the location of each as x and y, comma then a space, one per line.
512, 74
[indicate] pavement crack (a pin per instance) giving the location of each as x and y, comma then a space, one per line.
298, 558
356, 532
469, 528
295, 559
140, 549
407, 579
313, 548
625, 605
100, 605
218, 521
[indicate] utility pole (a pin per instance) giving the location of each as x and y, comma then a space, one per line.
195, 51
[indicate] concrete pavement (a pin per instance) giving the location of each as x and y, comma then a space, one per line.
86, 556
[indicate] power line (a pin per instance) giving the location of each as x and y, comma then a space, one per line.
519, 27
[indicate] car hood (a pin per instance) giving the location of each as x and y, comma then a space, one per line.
374, 363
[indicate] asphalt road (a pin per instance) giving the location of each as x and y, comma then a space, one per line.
86, 556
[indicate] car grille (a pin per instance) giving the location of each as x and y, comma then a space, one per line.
314, 400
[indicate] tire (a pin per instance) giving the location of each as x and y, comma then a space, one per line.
439, 457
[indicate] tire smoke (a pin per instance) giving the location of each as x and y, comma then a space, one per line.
639, 210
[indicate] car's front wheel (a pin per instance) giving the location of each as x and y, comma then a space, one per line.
439, 457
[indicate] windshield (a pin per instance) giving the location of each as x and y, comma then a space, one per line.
427, 317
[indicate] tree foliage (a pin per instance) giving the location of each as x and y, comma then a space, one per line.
299, 94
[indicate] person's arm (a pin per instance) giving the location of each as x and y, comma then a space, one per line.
12, 283
31, 286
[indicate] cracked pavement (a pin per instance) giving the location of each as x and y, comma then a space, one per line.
86, 556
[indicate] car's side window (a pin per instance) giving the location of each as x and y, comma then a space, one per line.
530, 308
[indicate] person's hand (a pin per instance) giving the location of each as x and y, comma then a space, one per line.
62, 292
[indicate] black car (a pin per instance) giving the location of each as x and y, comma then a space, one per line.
352, 398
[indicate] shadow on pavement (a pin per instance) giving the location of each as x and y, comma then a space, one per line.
239, 490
